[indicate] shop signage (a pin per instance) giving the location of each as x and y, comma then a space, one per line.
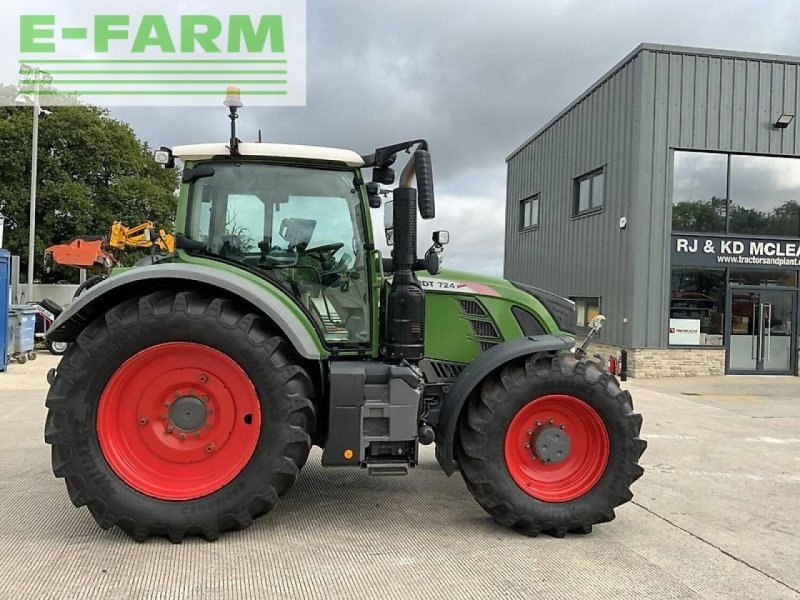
684, 332
733, 251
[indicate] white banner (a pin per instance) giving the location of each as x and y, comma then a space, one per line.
147, 53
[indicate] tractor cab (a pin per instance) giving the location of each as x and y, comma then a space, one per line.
292, 214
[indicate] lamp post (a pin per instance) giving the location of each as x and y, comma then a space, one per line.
38, 77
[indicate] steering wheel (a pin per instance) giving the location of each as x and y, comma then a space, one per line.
325, 249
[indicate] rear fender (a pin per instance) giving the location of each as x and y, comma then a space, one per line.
136, 282
471, 377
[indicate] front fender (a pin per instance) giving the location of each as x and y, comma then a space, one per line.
135, 282
471, 377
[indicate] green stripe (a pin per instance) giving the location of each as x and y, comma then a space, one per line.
58, 82
170, 72
151, 62
151, 92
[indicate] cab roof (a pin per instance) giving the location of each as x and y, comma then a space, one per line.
318, 153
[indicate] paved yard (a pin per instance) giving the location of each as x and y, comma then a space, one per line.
717, 515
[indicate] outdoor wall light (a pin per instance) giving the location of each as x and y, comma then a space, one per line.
783, 121
22, 100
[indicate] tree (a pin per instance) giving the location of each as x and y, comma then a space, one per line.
92, 171
698, 215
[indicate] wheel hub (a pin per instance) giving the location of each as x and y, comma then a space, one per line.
178, 420
556, 448
551, 444
188, 413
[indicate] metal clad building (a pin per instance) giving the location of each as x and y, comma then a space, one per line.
667, 117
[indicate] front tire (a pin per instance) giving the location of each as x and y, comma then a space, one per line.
177, 414
550, 444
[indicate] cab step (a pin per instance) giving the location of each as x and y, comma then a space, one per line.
387, 470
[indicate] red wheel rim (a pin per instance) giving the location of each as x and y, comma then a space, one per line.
576, 429
178, 421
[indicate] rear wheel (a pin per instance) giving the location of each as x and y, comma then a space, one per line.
178, 414
550, 444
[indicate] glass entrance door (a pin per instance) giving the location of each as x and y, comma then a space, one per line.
761, 330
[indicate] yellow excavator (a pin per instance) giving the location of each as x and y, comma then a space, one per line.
96, 253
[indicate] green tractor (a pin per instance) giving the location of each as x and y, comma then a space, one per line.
195, 385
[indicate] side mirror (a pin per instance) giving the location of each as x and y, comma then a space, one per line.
383, 173
388, 222
433, 261
441, 238
373, 195
424, 172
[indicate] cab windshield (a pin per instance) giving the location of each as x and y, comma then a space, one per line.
303, 226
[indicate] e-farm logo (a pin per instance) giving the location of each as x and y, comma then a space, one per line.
132, 56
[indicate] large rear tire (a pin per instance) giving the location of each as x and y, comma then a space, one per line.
550, 444
178, 414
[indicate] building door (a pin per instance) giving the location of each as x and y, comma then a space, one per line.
762, 331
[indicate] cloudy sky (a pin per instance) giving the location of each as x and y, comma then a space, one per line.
475, 78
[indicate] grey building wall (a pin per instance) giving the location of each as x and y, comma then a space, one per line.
656, 100
588, 255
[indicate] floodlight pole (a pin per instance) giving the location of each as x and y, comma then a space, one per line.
34, 168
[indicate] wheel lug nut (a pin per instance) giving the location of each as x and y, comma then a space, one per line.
527, 445
203, 378
563, 426
550, 421
143, 421
164, 417
169, 429
210, 448
183, 436
167, 403
538, 423
178, 394
530, 432
197, 434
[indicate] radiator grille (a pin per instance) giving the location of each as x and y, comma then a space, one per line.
446, 370
471, 308
486, 346
483, 329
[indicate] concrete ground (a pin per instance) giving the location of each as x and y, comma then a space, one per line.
715, 516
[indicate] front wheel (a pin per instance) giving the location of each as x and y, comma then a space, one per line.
550, 444
56, 348
178, 414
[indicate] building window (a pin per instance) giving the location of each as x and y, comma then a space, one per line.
697, 307
735, 193
529, 213
589, 192
699, 192
762, 277
764, 195
588, 308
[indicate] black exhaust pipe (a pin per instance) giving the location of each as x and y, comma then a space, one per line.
406, 309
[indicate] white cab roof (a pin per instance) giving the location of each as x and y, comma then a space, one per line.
205, 151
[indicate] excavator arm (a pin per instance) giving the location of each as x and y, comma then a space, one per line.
95, 253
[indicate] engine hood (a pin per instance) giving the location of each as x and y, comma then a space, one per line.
562, 311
